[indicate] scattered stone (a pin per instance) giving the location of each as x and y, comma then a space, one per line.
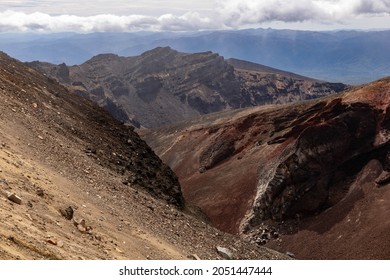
55, 241
52, 241
90, 151
266, 236
40, 192
383, 179
275, 234
4, 181
81, 229
14, 198
291, 255
119, 250
225, 253
81, 226
261, 241
79, 222
67, 212
98, 238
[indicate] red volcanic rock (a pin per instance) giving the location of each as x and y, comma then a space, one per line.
288, 167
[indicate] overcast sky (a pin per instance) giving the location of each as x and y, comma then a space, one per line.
185, 15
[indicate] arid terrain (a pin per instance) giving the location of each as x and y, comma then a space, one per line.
310, 178
86, 186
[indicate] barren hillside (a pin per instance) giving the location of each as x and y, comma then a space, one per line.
77, 184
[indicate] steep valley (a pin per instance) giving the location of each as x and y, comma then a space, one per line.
310, 178
77, 184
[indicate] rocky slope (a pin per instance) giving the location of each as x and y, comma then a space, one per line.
163, 86
77, 184
310, 178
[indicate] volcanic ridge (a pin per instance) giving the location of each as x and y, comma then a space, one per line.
163, 86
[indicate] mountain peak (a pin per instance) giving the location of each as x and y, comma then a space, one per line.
159, 51
103, 58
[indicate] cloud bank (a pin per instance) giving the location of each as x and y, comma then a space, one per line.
11, 21
235, 13
227, 14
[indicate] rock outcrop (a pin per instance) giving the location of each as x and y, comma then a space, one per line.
327, 140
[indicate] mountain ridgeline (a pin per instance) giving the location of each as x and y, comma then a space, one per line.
163, 86
347, 56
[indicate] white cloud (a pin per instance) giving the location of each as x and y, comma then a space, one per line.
189, 21
226, 14
18, 21
236, 13
116, 7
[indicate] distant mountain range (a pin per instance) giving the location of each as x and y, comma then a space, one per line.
163, 86
352, 57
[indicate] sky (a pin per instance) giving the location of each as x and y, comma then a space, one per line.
189, 15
